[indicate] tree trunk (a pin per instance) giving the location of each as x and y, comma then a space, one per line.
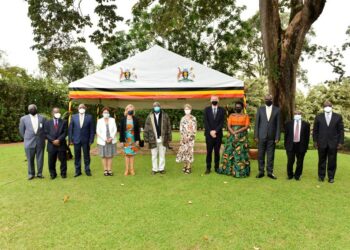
282, 48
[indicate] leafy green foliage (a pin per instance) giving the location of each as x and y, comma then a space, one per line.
18, 89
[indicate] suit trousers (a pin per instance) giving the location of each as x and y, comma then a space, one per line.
213, 144
158, 151
266, 147
324, 155
292, 155
31, 153
62, 157
77, 155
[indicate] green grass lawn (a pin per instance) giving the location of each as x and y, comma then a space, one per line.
152, 212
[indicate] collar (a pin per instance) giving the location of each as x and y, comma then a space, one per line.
330, 113
214, 107
34, 116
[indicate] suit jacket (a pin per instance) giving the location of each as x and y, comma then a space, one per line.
26, 130
101, 131
331, 135
211, 123
56, 134
83, 135
122, 128
264, 129
304, 136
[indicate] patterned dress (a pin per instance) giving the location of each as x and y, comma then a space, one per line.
235, 160
188, 129
130, 148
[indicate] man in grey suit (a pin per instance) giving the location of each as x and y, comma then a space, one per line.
31, 129
267, 134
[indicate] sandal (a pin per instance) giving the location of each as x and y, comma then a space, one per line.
110, 173
105, 173
188, 171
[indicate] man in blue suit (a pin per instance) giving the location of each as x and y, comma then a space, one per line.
81, 133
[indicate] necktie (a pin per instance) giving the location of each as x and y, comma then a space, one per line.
56, 124
214, 113
296, 133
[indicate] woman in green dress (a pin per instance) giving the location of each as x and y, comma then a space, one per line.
235, 160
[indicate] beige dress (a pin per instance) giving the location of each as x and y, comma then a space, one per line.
188, 129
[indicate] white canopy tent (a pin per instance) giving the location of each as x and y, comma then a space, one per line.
156, 75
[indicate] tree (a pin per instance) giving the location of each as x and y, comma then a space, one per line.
283, 46
74, 66
59, 30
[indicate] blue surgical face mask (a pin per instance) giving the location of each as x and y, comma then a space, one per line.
156, 109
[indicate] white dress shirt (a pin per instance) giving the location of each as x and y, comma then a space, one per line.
35, 122
81, 119
294, 130
328, 117
268, 112
157, 117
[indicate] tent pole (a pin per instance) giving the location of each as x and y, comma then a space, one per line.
69, 110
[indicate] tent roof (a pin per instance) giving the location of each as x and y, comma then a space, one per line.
156, 74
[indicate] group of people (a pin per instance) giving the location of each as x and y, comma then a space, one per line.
328, 137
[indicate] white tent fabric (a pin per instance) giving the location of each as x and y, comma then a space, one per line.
156, 75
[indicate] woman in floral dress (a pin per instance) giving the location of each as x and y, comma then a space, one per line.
235, 160
188, 129
130, 138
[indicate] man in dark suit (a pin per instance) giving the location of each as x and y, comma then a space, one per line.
81, 133
296, 141
56, 132
328, 136
214, 117
267, 135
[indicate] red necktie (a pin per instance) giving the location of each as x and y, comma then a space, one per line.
56, 124
296, 133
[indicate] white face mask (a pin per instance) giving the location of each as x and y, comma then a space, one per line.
105, 115
297, 117
82, 111
57, 115
327, 109
187, 111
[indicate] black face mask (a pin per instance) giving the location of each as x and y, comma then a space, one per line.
238, 110
268, 103
33, 111
214, 103
130, 112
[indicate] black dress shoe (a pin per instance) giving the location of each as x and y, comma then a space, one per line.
30, 178
260, 175
78, 174
88, 173
162, 172
64, 176
331, 180
289, 177
272, 176
207, 171
153, 173
320, 179
40, 177
53, 177
297, 178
